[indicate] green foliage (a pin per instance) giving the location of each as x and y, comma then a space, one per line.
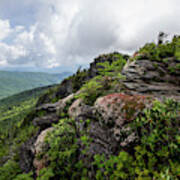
159, 147
46, 174
91, 90
62, 151
176, 42
78, 79
112, 69
49, 95
18, 99
161, 51
28, 176
115, 167
15, 129
9, 170
157, 52
75, 82
156, 156
110, 73
14, 109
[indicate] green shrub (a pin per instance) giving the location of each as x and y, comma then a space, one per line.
28, 176
112, 69
9, 170
157, 154
158, 147
110, 73
176, 43
161, 51
78, 79
91, 90
62, 151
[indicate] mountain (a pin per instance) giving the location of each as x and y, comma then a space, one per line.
13, 107
15, 82
119, 119
13, 110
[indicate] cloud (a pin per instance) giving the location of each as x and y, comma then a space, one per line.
4, 29
61, 33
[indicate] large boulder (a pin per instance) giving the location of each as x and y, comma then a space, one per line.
39, 147
61, 104
108, 128
78, 108
118, 109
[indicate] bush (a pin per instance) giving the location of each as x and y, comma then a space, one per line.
62, 151
91, 90
112, 69
161, 51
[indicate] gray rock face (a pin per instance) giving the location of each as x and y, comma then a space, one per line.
39, 147
153, 78
108, 126
78, 108
49, 113
26, 154
46, 121
106, 123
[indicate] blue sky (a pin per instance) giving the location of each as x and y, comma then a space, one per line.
60, 35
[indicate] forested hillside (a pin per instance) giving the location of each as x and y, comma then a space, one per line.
117, 120
13, 110
15, 82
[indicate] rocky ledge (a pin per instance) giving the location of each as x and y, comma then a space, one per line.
106, 122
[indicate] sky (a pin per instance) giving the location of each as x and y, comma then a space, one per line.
61, 35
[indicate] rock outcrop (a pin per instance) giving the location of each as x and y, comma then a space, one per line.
106, 122
153, 78
39, 147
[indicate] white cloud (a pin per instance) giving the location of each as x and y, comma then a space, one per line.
69, 33
4, 29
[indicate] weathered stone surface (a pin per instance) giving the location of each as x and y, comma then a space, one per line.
152, 78
110, 116
118, 108
61, 104
78, 108
26, 154
39, 164
49, 108
39, 147
46, 121
108, 127
63, 90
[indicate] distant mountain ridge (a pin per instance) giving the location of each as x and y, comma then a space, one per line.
15, 82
